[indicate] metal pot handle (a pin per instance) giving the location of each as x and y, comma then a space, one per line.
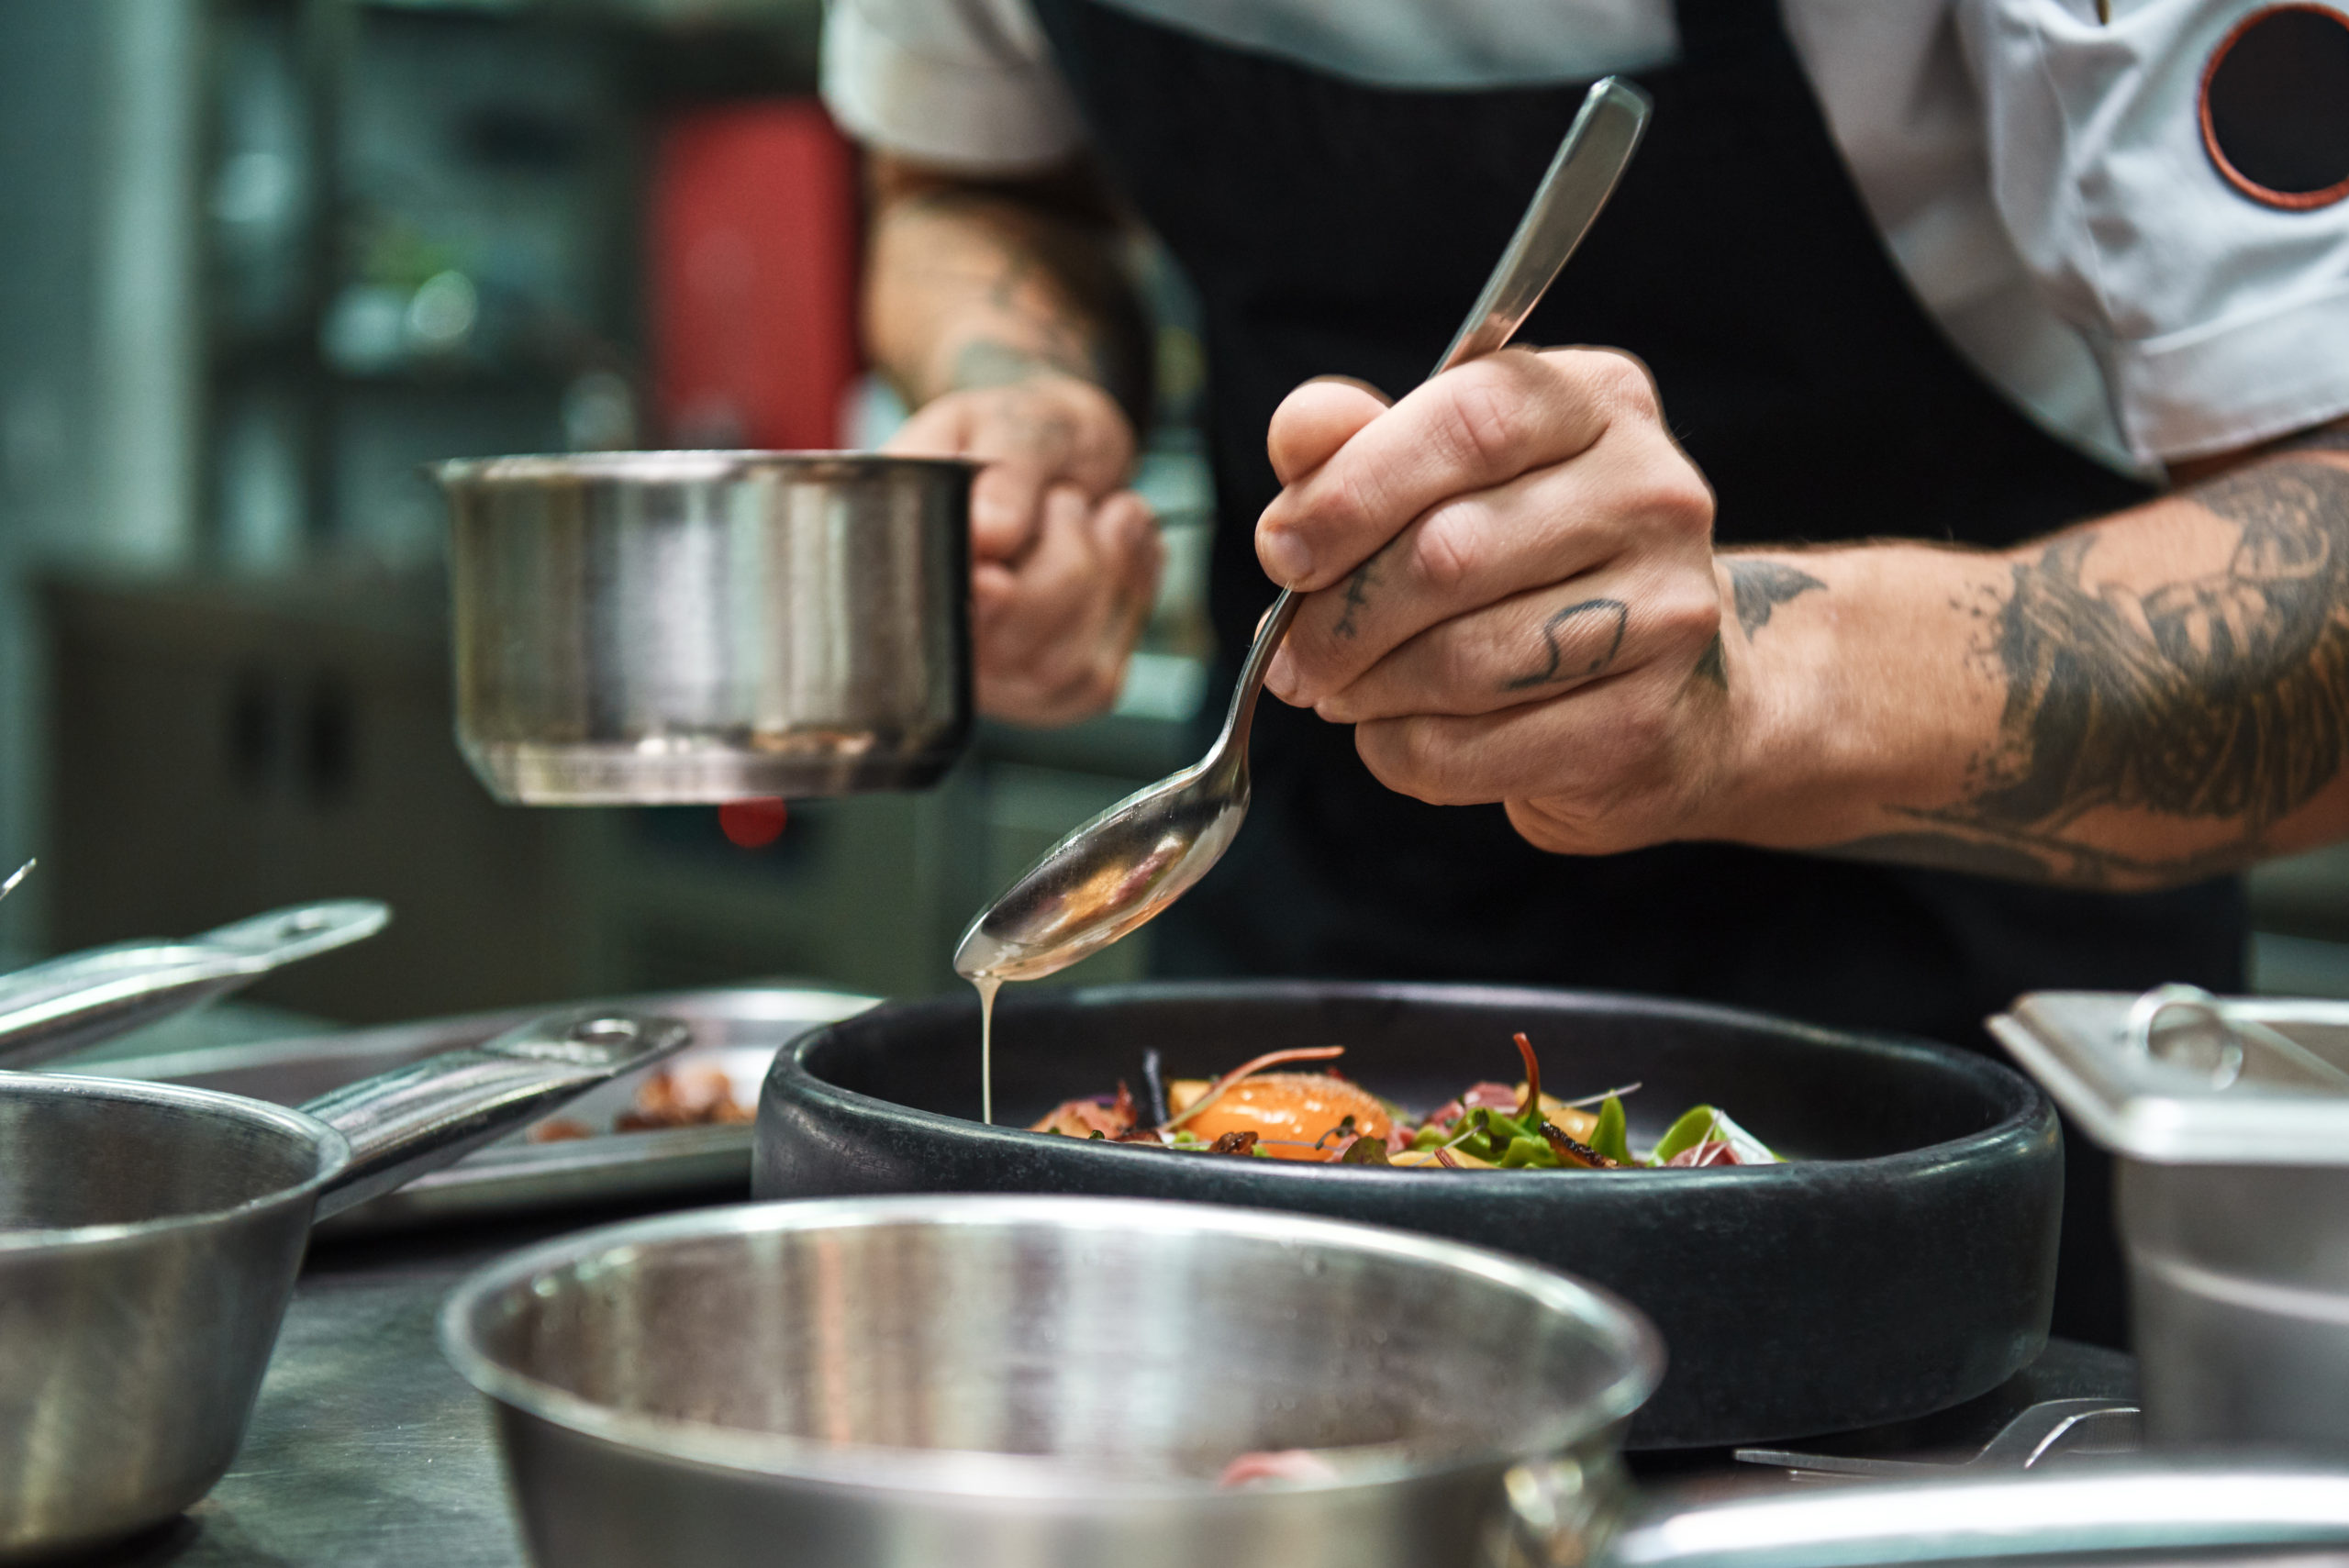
1564, 1512
431, 1112
59, 1006
2090, 1509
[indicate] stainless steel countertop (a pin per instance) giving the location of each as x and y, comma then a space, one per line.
366, 1450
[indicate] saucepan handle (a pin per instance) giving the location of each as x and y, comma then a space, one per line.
431, 1112
59, 1006
2087, 1510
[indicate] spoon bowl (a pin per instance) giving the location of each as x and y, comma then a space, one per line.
1119, 870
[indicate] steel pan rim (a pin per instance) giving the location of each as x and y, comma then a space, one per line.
333, 1150
683, 466
1621, 1329
2025, 1110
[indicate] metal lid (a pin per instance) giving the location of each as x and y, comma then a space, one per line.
2178, 1076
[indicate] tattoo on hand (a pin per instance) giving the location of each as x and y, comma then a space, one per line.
2223, 697
1759, 587
1712, 664
1606, 617
983, 362
1358, 587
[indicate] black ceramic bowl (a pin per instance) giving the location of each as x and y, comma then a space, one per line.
1904, 1260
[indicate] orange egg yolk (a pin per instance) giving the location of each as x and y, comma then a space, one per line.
1290, 1110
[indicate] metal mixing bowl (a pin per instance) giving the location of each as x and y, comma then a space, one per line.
1038, 1380
672, 627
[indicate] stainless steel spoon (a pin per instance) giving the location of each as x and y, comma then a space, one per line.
1121, 869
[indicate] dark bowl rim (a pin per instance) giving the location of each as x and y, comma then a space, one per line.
2026, 1112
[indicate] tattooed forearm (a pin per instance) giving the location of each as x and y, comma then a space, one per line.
1759, 587
2219, 699
977, 284
1577, 642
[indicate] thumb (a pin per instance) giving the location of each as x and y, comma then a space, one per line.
1316, 419
1007, 503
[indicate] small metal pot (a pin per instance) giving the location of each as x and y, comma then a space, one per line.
1003, 1382
1016, 1381
673, 627
150, 1236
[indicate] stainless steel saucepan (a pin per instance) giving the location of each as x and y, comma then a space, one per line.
150, 1236
1007, 1382
671, 626
54, 1008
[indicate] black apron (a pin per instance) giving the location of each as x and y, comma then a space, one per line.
1331, 226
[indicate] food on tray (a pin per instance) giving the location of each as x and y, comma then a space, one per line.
671, 1097
1329, 1120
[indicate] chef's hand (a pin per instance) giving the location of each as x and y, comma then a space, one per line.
1512, 595
1064, 559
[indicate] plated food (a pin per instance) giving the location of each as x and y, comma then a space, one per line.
1325, 1117
695, 1094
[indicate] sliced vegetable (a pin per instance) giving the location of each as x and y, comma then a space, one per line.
1695, 1125
1531, 1104
1704, 1124
1610, 1137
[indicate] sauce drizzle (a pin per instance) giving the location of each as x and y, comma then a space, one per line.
988, 985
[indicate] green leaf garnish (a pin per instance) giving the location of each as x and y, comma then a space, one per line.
1610, 1137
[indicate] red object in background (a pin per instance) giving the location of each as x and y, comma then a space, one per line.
752, 823
752, 268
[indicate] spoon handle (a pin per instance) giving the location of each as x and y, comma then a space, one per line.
1590, 163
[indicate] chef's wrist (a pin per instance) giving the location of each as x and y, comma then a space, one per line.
1854, 702
978, 364
1086, 394
988, 362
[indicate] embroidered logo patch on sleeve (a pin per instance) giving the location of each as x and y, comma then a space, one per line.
2275, 106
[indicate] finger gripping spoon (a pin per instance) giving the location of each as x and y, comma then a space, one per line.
1124, 866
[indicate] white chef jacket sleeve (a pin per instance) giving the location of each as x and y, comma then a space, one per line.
2221, 321
964, 83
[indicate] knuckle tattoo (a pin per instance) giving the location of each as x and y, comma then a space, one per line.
1577, 642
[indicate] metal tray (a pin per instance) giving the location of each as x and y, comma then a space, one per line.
737, 1030
2230, 1118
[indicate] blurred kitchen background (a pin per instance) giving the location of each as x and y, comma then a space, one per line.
258, 261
